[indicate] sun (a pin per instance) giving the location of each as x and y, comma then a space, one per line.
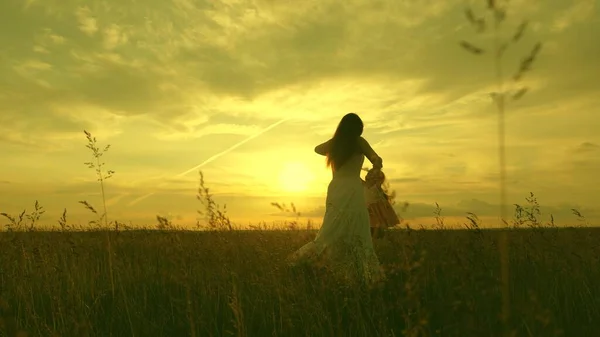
295, 177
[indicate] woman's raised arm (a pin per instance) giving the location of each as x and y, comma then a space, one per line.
368, 151
322, 149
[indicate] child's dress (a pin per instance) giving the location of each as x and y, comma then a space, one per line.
381, 212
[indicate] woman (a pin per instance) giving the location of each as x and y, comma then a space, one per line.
344, 241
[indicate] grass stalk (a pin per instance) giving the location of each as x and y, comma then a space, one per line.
101, 176
503, 245
499, 47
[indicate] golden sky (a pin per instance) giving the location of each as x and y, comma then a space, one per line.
174, 85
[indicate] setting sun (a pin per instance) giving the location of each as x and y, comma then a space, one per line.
295, 177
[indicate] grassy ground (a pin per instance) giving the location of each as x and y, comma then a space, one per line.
440, 283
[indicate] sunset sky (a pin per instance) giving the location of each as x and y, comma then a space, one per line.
174, 85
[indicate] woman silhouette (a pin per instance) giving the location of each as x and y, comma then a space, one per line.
344, 241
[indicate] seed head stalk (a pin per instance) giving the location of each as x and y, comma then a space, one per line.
503, 244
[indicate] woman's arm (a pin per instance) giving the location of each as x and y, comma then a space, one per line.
368, 151
322, 149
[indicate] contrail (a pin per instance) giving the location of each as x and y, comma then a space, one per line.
232, 148
212, 158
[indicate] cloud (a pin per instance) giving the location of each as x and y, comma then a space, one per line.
87, 22
583, 160
577, 11
114, 37
322, 46
49, 39
190, 53
587, 147
31, 67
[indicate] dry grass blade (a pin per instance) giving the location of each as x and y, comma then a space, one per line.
536, 50
478, 23
520, 93
164, 223
294, 209
13, 224
527, 62
35, 215
471, 48
502, 49
520, 31
62, 221
470, 16
278, 206
88, 206
499, 15
217, 219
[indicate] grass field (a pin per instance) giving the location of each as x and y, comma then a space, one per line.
218, 283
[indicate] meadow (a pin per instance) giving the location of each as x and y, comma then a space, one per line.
169, 282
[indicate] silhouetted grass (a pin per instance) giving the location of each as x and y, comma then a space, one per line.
183, 283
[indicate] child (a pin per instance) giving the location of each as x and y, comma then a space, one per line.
381, 213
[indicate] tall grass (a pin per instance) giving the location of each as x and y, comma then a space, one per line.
218, 283
102, 175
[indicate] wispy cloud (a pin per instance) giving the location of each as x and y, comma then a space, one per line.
114, 37
87, 22
587, 147
576, 12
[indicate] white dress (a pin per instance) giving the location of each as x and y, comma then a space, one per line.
344, 242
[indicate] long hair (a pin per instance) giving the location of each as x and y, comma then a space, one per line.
345, 140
